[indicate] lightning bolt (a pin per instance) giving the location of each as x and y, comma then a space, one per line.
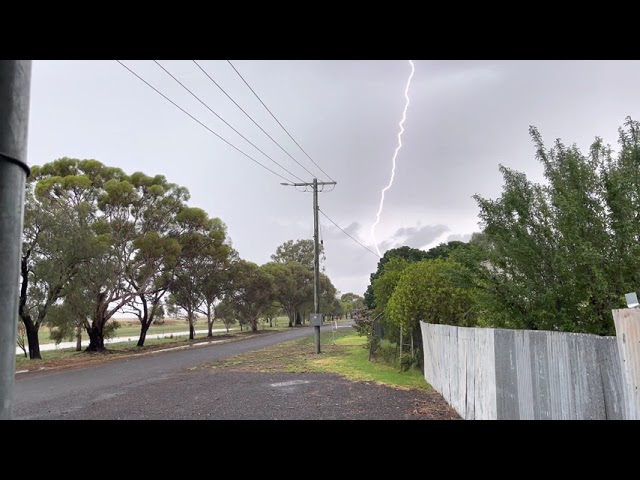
395, 155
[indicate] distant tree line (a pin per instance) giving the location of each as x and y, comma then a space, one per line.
98, 241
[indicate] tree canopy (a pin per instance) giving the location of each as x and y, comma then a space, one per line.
251, 292
426, 291
561, 255
98, 241
300, 251
293, 286
409, 255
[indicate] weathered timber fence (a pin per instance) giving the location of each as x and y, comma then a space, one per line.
487, 373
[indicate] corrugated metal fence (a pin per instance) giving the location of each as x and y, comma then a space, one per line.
487, 373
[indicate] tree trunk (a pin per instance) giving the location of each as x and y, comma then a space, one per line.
192, 329
78, 338
96, 337
417, 332
412, 344
372, 335
254, 325
32, 337
209, 322
298, 318
146, 319
30, 327
144, 327
95, 329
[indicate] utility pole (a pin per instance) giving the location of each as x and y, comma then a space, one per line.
15, 86
316, 321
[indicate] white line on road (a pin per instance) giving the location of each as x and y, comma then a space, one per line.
289, 383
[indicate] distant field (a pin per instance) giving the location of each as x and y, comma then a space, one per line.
68, 356
130, 328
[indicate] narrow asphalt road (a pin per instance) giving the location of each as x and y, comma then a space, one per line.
43, 394
161, 386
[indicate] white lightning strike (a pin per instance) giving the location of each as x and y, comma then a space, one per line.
393, 168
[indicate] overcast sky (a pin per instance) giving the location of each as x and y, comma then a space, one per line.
465, 118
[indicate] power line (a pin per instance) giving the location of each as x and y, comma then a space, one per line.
323, 259
274, 117
328, 191
366, 248
202, 124
251, 118
225, 122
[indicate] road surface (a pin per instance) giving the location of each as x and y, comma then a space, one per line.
161, 386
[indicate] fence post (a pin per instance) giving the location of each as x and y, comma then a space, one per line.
627, 323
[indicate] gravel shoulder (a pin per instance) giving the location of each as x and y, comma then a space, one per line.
232, 395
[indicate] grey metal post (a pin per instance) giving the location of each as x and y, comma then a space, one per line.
316, 263
15, 86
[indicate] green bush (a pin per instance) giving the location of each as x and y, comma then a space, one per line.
110, 328
387, 353
409, 361
373, 344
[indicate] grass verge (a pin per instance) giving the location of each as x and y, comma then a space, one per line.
68, 357
347, 357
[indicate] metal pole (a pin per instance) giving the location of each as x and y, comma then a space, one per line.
316, 263
15, 86
316, 251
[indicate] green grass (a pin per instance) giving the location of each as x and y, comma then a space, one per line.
70, 356
115, 348
348, 357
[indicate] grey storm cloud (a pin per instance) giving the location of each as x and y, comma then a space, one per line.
332, 231
353, 228
459, 237
418, 237
465, 118
414, 237
347, 259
